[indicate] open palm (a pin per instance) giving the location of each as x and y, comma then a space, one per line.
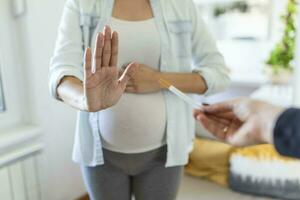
102, 86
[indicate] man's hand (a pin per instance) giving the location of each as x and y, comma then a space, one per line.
145, 80
240, 122
102, 87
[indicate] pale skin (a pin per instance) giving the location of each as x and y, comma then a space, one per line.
103, 88
145, 80
240, 122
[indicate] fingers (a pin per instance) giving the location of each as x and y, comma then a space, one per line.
219, 107
98, 52
225, 122
236, 109
226, 115
130, 90
106, 49
128, 73
197, 112
130, 87
114, 49
87, 63
214, 127
106, 54
130, 83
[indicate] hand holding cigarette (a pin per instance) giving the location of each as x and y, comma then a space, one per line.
240, 122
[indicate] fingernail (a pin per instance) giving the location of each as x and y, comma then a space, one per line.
102, 38
115, 33
106, 27
99, 36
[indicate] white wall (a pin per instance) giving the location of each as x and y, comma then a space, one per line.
61, 179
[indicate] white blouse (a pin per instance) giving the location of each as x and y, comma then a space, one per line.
137, 123
186, 46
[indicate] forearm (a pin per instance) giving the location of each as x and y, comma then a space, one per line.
186, 82
70, 90
287, 133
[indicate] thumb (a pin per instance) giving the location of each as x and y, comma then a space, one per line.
128, 73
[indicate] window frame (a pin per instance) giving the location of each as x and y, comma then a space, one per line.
11, 71
2, 97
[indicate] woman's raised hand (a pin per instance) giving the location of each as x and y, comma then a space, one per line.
102, 86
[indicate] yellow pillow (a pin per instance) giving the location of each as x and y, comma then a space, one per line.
210, 160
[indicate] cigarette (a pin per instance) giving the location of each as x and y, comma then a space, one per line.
192, 102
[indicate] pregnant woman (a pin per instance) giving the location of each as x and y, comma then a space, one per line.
136, 145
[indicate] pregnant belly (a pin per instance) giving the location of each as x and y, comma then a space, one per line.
136, 124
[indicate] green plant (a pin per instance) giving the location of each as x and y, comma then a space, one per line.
283, 54
240, 6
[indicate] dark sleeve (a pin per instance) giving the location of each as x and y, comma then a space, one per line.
287, 133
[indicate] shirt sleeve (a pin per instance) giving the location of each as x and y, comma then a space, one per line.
68, 54
207, 60
287, 133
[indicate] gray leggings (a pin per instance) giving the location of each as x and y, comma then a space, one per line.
142, 175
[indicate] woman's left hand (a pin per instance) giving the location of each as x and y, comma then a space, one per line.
145, 80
